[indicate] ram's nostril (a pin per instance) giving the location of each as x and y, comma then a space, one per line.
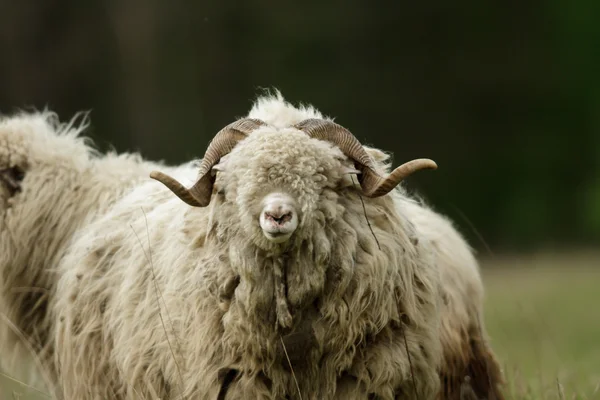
279, 218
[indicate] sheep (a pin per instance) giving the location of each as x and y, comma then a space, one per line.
51, 184
298, 271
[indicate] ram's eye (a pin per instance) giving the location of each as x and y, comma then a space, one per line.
12, 178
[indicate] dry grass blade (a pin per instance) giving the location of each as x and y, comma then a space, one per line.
291, 368
475, 231
10, 378
159, 291
36, 359
412, 372
366, 217
561, 391
162, 321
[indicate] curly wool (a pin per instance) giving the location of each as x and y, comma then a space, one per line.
167, 299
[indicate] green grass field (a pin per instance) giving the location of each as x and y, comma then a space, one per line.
543, 317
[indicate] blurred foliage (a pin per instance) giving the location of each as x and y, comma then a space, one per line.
504, 95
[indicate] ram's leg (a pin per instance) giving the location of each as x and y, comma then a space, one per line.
470, 371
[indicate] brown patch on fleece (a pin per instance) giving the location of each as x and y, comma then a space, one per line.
470, 372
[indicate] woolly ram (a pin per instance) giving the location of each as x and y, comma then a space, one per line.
297, 269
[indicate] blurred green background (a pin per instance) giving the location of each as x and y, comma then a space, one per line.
504, 95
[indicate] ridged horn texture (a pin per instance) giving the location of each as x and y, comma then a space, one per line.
372, 184
224, 141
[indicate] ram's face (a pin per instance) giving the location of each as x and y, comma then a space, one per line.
283, 183
278, 180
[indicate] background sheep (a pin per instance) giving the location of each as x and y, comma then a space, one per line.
51, 183
170, 298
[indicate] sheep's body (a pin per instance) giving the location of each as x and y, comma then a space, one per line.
465, 350
147, 297
65, 187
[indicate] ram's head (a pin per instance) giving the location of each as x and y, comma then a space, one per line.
278, 176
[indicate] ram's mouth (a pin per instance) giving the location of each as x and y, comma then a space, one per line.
277, 236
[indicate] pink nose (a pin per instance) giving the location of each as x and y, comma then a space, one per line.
278, 219
279, 216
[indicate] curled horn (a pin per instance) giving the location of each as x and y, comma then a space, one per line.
372, 184
223, 142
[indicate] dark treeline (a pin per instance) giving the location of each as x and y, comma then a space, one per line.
504, 95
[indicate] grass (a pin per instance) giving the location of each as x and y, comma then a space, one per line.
543, 317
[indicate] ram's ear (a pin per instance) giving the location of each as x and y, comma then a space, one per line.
349, 174
220, 166
349, 170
